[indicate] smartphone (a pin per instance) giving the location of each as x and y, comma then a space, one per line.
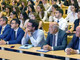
12, 46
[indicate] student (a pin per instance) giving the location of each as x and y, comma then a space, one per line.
35, 35
4, 27
15, 35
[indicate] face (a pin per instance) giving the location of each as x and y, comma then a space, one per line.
23, 3
14, 9
78, 15
78, 32
29, 2
21, 16
57, 14
53, 9
43, 1
29, 26
32, 17
78, 0
13, 24
72, 8
51, 29
12, 15
7, 10
29, 8
72, 1
13, 3
1, 22
38, 8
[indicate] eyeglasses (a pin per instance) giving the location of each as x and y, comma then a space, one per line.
13, 23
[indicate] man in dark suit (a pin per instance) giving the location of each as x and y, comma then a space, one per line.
74, 45
15, 35
4, 27
56, 39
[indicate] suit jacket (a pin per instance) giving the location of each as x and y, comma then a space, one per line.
11, 36
74, 43
5, 32
61, 40
76, 23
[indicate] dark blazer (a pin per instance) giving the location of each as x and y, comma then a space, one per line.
5, 32
11, 36
74, 43
61, 40
76, 23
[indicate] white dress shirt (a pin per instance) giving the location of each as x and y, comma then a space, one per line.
62, 23
71, 18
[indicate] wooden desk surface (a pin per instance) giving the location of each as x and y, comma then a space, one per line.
56, 53
19, 56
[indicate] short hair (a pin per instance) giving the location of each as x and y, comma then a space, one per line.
56, 27
60, 11
16, 20
15, 13
55, 6
34, 23
5, 19
3, 3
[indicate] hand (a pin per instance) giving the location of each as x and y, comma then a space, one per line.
3, 42
29, 33
26, 31
68, 51
71, 51
47, 47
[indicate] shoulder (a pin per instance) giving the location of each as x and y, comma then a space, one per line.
62, 32
20, 29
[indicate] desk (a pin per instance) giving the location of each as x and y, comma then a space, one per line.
60, 53
20, 56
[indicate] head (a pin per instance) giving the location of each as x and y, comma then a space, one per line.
16, 9
54, 7
58, 13
31, 8
53, 27
44, 1
32, 25
3, 4
78, 14
30, 2
35, 16
13, 15
3, 20
15, 23
8, 9
23, 15
40, 8
73, 8
78, 31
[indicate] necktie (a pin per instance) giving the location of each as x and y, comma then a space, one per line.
57, 21
2, 31
79, 44
54, 38
15, 34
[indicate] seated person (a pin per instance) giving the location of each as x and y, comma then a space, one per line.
74, 45
15, 35
56, 39
4, 27
76, 23
32, 33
